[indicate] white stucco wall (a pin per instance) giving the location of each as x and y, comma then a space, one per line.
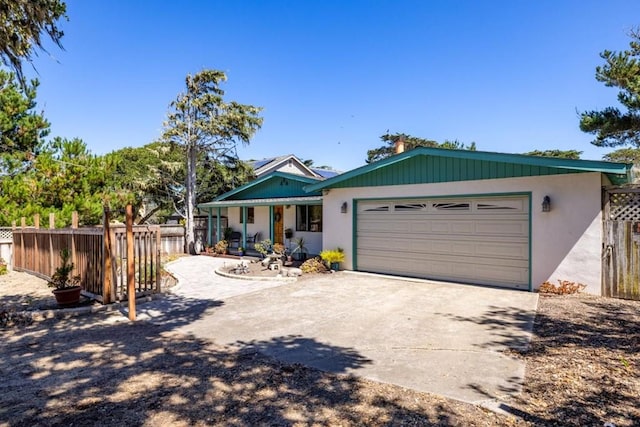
313, 241
565, 243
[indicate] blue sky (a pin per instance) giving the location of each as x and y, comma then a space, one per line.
333, 76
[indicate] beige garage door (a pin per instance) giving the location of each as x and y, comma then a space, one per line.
483, 240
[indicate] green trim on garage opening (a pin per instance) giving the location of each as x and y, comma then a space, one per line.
528, 194
530, 240
354, 234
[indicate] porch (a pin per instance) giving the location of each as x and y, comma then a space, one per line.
273, 207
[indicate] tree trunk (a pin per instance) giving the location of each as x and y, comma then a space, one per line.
190, 238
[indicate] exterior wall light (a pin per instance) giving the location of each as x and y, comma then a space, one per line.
546, 204
343, 208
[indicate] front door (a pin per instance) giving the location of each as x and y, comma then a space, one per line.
278, 231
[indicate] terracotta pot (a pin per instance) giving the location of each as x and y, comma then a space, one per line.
67, 296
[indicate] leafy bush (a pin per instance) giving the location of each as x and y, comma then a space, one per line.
564, 287
221, 247
3, 267
264, 247
313, 265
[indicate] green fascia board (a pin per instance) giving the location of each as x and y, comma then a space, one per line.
519, 165
269, 186
306, 200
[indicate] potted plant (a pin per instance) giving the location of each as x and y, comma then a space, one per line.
220, 248
279, 249
240, 251
263, 247
333, 258
300, 249
67, 288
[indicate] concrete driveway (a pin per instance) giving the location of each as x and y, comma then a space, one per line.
436, 337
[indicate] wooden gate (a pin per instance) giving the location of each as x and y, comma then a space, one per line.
621, 243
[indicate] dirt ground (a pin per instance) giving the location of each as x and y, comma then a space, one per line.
583, 368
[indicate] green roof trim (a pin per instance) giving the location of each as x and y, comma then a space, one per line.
273, 185
307, 200
432, 165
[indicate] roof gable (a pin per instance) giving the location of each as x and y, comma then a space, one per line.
431, 165
274, 185
288, 164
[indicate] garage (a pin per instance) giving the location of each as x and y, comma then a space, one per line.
496, 219
480, 239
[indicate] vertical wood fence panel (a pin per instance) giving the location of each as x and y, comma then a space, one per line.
621, 243
37, 251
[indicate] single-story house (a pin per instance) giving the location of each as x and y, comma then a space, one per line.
495, 219
275, 202
268, 207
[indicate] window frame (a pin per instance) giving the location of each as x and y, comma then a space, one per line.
307, 224
251, 215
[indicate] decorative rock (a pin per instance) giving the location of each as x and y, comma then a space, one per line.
292, 272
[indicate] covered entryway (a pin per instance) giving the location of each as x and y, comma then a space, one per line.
482, 240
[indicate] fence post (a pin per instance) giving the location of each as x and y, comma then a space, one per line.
23, 225
131, 268
74, 227
107, 275
36, 226
158, 260
52, 225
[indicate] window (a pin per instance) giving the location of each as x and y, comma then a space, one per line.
250, 215
309, 218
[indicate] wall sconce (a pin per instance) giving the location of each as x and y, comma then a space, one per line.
343, 208
546, 204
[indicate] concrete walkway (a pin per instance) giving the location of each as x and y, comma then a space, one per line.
441, 338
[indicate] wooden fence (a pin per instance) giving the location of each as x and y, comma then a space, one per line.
621, 243
100, 257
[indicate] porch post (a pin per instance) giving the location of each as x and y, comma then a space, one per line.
244, 226
209, 228
218, 223
271, 223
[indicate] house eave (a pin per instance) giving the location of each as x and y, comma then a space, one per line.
311, 200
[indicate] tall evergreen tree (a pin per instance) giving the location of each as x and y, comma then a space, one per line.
22, 129
201, 122
22, 25
614, 127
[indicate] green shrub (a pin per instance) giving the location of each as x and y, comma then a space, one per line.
221, 247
